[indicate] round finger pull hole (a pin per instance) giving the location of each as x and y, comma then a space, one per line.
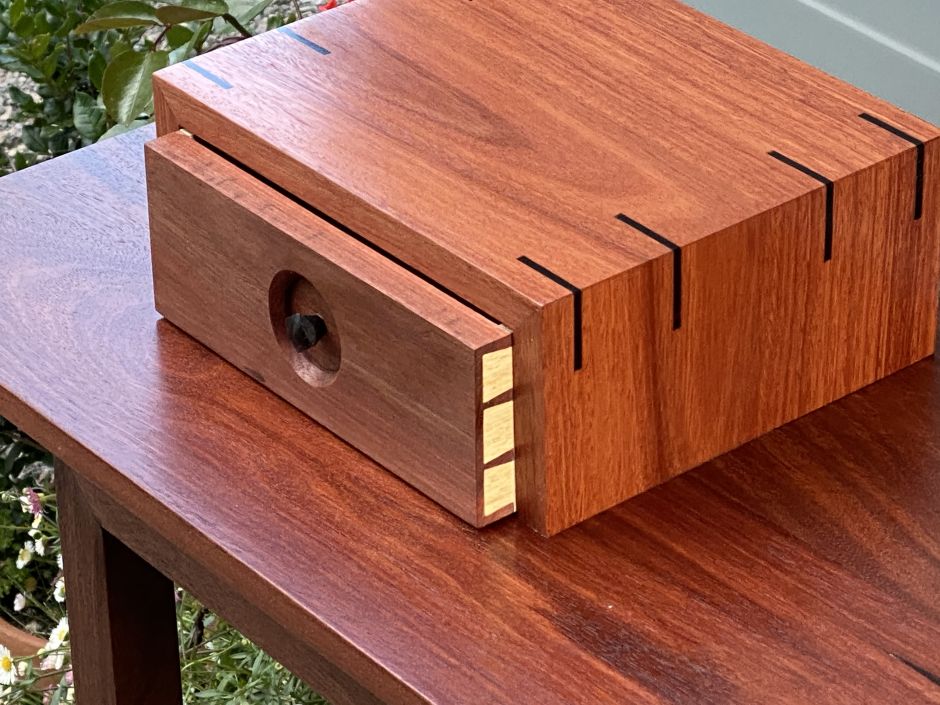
304, 327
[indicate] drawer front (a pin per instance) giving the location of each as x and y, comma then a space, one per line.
406, 372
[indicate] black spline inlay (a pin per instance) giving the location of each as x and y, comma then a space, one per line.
676, 265
576, 300
830, 195
919, 144
932, 677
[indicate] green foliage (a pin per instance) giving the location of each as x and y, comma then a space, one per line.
36, 40
222, 666
92, 62
22, 464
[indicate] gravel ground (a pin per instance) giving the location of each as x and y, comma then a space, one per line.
9, 130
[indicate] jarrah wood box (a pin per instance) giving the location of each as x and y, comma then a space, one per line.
540, 256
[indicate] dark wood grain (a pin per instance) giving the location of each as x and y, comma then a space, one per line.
122, 612
799, 568
693, 237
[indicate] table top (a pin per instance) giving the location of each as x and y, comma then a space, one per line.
461, 135
803, 567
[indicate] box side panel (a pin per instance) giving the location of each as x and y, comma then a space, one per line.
769, 330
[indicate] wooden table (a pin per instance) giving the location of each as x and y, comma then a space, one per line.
804, 567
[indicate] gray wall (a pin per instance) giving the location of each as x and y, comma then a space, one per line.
887, 47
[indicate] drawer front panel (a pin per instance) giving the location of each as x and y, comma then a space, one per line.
384, 358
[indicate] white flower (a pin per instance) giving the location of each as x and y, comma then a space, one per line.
52, 662
59, 635
58, 560
40, 547
24, 557
33, 533
59, 592
37, 520
7, 668
19, 602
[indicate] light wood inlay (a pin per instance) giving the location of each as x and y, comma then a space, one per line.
497, 430
497, 373
499, 487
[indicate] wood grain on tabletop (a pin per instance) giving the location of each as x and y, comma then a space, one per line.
462, 137
802, 567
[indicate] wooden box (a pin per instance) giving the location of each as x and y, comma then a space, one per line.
532, 255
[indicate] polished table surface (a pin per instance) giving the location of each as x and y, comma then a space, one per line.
803, 567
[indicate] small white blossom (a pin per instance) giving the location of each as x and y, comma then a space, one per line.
59, 591
19, 602
52, 662
40, 547
58, 560
7, 667
59, 635
24, 557
33, 533
37, 520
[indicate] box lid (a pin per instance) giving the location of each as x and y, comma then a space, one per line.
461, 136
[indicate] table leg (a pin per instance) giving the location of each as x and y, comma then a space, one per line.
121, 611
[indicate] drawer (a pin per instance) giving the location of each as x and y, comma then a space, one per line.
402, 369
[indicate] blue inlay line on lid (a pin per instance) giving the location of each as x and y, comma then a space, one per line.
303, 40
217, 80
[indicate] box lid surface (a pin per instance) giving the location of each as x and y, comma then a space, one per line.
461, 136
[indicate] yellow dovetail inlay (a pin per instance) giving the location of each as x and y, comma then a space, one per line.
499, 487
497, 373
497, 431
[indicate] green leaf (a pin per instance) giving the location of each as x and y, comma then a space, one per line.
96, 67
178, 35
22, 100
41, 22
36, 47
51, 61
17, 11
254, 11
120, 14
88, 116
191, 10
33, 141
191, 48
118, 47
24, 27
126, 85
